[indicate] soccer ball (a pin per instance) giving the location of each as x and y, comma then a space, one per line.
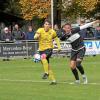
36, 57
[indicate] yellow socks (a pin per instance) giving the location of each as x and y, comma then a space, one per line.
45, 65
47, 70
51, 76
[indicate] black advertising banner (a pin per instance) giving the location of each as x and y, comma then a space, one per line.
18, 49
28, 48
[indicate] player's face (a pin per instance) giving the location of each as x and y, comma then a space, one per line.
47, 26
67, 28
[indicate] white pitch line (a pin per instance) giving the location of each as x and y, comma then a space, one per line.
13, 80
34, 81
81, 83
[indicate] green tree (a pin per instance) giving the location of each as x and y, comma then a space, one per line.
12, 7
76, 8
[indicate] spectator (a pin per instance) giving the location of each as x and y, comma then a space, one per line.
58, 31
97, 33
17, 33
90, 33
30, 33
56, 28
6, 35
2, 26
83, 32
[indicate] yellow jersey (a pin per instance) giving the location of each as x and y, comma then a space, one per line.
46, 38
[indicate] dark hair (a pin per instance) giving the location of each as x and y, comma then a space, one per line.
67, 24
47, 21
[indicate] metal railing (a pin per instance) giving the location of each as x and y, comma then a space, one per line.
27, 48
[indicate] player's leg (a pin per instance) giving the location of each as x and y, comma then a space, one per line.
73, 66
51, 74
79, 65
74, 71
45, 65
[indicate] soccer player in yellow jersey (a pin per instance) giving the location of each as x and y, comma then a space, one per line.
45, 36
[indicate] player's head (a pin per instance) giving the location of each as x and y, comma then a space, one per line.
47, 25
67, 28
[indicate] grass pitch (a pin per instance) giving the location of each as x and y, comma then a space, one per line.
20, 79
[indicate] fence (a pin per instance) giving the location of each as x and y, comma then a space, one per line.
28, 48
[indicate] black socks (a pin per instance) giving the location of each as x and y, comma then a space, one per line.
80, 68
75, 72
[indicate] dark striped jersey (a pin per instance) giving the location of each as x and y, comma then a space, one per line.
74, 38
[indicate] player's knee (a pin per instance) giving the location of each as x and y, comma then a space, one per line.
43, 56
72, 65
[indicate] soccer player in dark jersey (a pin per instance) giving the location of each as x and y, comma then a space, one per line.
78, 48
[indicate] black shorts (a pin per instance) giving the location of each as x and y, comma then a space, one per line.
48, 53
78, 54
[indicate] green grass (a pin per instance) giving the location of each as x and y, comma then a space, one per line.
22, 73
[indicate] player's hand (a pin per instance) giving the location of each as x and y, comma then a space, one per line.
59, 49
36, 36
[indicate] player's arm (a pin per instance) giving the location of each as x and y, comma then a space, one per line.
58, 43
56, 39
89, 24
37, 35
